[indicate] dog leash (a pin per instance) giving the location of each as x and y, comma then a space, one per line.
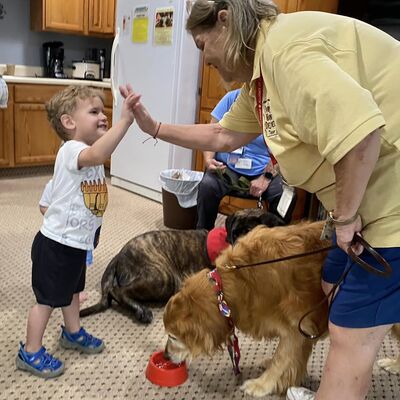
308, 253
387, 270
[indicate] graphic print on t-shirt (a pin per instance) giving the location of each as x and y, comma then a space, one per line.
268, 120
95, 196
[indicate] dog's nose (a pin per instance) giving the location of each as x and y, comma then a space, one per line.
166, 354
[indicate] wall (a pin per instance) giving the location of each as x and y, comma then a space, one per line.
384, 14
20, 45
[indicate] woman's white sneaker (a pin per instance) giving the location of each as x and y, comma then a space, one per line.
299, 393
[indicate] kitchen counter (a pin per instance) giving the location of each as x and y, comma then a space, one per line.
53, 81
26, 137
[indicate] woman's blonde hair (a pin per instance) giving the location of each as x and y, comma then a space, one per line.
244, 21
65, 102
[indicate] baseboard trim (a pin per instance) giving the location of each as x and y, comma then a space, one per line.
137, 189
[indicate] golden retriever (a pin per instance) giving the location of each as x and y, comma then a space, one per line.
266, 301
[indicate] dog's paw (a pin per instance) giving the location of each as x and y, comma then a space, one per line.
257, 387
391, 365
144, 315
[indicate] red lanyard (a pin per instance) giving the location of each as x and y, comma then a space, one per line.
259, 98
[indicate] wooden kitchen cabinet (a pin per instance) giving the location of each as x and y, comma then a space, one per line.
56, 16
213, 88
26, 136
288, 6
81, 17
101, 17
7, 131
35, 142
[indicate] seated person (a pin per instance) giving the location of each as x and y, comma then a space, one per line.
251, 161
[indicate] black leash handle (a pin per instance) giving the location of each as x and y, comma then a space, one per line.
387, 269
386, 272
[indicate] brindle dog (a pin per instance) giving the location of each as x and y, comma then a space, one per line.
152, 266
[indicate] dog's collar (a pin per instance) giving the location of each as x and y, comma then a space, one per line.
232, 342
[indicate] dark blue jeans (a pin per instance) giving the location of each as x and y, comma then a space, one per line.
212, 189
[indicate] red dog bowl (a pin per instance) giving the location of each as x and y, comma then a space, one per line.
164, 372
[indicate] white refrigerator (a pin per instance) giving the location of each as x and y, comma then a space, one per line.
153, 52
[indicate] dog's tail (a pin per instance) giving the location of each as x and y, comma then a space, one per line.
106, 286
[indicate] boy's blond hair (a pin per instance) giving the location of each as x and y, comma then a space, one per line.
65, 102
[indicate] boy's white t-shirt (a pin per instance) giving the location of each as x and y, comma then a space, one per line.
78, 199
45, 200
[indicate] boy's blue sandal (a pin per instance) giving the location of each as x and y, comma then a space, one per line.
40, 363
81, 340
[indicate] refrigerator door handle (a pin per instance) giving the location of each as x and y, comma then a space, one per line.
113, 75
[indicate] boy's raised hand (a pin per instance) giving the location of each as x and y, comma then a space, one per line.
130, 99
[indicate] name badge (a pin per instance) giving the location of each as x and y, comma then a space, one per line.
286, 200
244, 163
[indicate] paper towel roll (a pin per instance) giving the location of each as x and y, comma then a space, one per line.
3, 93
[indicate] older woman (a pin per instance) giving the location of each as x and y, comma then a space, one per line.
325, 90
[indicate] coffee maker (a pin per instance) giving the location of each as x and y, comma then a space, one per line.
53, 60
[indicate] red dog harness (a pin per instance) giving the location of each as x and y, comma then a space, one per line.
232, 342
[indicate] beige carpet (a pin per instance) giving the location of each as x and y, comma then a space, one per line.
117, 373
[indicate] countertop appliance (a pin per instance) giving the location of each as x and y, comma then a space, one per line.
166, 73
86, 70
53, 60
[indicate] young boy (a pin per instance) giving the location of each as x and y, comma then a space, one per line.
44, 203
78, 201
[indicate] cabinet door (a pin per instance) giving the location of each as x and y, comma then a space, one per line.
64, 16
35, 141
212, 88
7, 132
318, 5
101, 16
287, 6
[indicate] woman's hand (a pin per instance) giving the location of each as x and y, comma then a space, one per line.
212, 165
259, 185
345, 234
146, 123
272, 169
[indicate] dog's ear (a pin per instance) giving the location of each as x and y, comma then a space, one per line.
192, 315
244, 226
229, 223
242, 222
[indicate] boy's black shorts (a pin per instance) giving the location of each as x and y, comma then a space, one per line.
58, 271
